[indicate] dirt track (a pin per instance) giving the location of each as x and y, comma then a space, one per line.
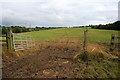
51, 62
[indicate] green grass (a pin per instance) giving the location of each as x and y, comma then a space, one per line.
101, 35
73, 33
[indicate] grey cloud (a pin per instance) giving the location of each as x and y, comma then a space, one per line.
62, 12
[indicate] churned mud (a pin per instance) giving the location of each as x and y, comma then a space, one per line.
57, 60
54, 61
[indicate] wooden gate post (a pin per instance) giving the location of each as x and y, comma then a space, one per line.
85, 40
112, 42
9, 39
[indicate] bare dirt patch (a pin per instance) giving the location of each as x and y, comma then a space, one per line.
50, 61
53, 59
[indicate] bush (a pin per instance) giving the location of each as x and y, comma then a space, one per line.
17, 30
4, 30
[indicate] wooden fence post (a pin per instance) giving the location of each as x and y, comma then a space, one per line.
119, 44
85, 40
9, 39
112, 42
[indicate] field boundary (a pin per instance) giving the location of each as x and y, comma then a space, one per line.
112, 43
21, 42
18, 42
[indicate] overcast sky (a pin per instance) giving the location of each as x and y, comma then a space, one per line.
58, 12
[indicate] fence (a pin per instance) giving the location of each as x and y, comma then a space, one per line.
17, 41
112, 43
21, 42
85, 40
3, 40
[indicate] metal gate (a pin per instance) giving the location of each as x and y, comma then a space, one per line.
21, 42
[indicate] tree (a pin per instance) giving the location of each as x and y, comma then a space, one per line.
17, 29
4, 30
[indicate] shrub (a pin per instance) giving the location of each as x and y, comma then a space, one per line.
4, 30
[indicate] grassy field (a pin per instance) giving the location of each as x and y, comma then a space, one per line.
98, 62
73, 33
96, 35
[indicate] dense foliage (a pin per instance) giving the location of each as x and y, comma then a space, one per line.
113, 26
19, 29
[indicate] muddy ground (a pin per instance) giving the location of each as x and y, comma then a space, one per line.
54, 61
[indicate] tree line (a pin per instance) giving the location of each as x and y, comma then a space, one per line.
19, 29
112, 26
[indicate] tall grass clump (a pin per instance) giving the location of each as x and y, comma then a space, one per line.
90, 56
